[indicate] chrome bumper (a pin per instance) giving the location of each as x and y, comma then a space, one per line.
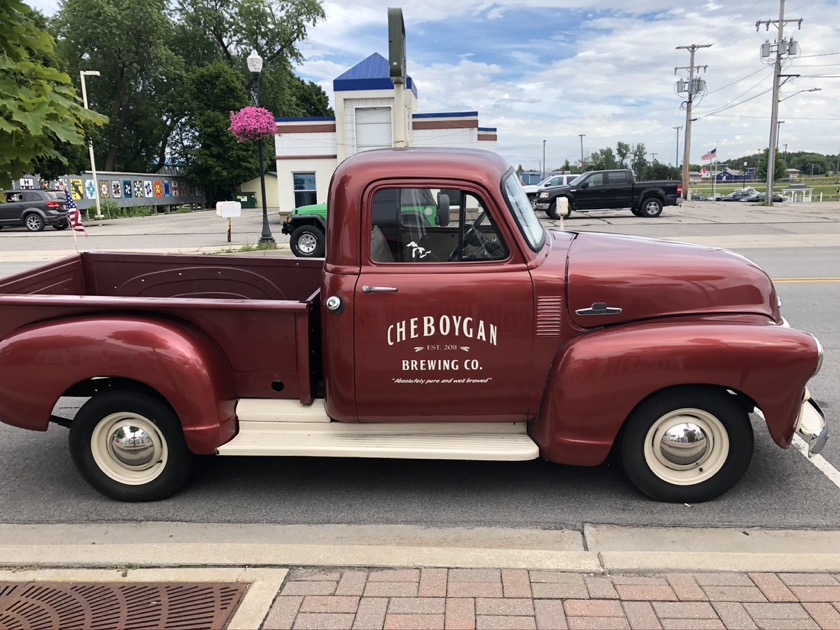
811, 425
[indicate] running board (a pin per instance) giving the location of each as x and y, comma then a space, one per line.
456, 441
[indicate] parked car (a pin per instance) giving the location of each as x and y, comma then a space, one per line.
737, 195
760, 197
611, 189
34, 209
555, 180
699, 197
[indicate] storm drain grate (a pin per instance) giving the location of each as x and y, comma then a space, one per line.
104, 606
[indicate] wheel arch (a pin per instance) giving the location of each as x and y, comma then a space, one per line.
176, 361
761, 365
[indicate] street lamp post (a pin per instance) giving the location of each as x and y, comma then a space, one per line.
543, 164
255, 64
744, 185
83, 74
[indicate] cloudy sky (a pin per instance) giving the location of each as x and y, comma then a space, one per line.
552, 69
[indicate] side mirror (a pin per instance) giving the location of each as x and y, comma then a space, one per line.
443, 209
584, 185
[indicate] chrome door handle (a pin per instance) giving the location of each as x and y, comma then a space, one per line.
367, 289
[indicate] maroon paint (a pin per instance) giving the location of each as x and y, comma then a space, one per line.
38, 364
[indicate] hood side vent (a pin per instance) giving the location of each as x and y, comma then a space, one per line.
549, 316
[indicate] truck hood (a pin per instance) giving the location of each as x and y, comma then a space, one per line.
647, 278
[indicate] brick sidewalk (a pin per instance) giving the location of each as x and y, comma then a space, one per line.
516, 598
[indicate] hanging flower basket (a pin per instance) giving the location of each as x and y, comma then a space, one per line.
252, 123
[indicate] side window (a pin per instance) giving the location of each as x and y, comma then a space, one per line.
596, 179
618, 178
412, 225
31, 196
305, 191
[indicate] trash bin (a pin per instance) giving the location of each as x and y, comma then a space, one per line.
247, 199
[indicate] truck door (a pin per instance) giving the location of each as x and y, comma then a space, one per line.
590, 193
443, 311
619, 189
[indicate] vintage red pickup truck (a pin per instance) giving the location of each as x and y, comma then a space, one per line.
479, 337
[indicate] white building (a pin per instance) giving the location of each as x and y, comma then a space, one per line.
309, 149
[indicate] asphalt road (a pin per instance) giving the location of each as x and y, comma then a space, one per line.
782, 489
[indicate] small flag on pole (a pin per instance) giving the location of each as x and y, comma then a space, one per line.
711, 155
74, 217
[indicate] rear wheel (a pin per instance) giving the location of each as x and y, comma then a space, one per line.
308, 241
650, 207
129, 446
687, 445
33, 222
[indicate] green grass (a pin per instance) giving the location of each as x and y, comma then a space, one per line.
825, 185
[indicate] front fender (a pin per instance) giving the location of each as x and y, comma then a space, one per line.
598, 379
40, 363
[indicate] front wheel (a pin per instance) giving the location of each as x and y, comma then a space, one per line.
308, 241
650, 207
33, 222
129, 446
687, 445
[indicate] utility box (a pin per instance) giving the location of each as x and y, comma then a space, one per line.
247, 199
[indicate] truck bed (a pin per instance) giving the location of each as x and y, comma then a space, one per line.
261, 311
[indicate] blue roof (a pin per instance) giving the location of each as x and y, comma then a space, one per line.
372, 73
448, 115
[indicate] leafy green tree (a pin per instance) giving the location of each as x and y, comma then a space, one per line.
780, 169
128, 42
811, 164
214, 159
622, 150
602, 159
658, 170
638, 159
567, 167
39, 108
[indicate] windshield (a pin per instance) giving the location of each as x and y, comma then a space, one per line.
577, 180
523, 213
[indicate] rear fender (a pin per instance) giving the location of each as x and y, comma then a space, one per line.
598, 379
41, 363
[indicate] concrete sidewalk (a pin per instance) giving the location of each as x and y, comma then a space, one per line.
406, 577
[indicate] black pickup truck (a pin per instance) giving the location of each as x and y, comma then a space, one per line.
611, 189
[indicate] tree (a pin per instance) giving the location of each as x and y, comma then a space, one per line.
213, 158
780, 170
39, 108
638, 160
602, 159
622, 150
567, 168
128, 42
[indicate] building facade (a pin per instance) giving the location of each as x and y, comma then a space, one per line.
368, 111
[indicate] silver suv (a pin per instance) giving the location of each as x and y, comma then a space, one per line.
33, 209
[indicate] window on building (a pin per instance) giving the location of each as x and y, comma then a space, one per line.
306, 193
373, 128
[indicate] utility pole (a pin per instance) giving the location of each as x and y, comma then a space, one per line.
654, 156
782, 48
581, 149
694, 86
677, 152
544, 169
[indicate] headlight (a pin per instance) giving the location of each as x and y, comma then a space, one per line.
544, 195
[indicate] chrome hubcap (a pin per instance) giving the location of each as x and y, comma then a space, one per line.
129, 448
32, 222
686, 446
307, 243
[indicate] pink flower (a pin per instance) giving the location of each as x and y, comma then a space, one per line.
252, 123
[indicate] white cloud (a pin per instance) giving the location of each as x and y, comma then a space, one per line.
607, 73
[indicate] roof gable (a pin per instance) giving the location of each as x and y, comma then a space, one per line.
371, 73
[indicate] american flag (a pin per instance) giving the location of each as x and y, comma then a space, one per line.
711, 155
73, 214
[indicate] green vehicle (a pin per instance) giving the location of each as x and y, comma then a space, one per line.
307, 225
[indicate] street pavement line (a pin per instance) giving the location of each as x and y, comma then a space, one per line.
818, 460
805, 280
